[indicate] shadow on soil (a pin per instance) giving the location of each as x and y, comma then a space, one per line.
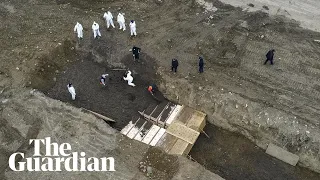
234, 157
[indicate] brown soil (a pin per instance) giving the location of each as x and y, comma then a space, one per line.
227, 154
38, 47
117, 99
233, 157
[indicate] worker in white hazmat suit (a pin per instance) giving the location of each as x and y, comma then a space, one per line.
133, 29
95, 29
103, 79
72, 91
129, 78
78, 29
109, 19
121, 21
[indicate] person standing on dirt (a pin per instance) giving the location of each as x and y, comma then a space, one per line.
129, 78
109, 19
79, 30
95, 29
152, 89
201, 64
133, 28
121, 21
135, 52
174, 65
103, 79
269, 56
72, 91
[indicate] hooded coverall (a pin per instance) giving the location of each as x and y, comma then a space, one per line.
133, 28
129, 78
103, 79
95, 29
72, 91
78, 28
121, 21
108, 17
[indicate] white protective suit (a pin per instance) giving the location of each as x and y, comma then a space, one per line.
121, 21
133, 29
129, 78
95, 29
103, 79
72, 91
78, 28
109, 19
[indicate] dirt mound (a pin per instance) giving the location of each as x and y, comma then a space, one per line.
44, 75
28, 114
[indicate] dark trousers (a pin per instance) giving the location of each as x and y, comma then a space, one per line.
174, 68
136, 56
271, 61
200, 69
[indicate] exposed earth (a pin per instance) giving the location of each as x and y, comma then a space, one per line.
264, 103
233, 157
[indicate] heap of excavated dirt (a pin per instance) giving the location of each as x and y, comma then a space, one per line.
28, 114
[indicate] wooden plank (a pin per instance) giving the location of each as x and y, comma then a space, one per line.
166, 113
127, 128
134, 130
183, 132
100, 116
146, 128
179, 147
139, 135
142, 114
157, 137
197, 121
152, 112
152, 132
159, 116
147, 117
118, 69
185, 115
188, 149
282, 154
166, 142
176, 111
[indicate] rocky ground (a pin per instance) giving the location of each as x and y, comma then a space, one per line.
277, 104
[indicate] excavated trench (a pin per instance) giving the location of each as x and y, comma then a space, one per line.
228, 154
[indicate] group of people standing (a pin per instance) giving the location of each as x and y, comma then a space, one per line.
135, 51
78, 28
175, 64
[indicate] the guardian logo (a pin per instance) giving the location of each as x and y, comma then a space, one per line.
62, 158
